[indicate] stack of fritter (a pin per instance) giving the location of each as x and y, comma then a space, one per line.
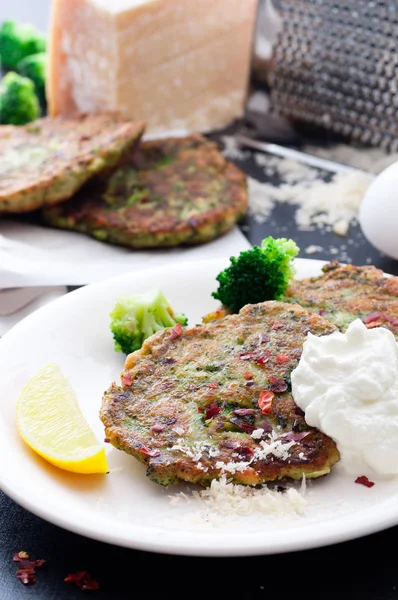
108, 184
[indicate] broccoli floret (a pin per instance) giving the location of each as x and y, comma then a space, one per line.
18, 101
259, 274
34, 67
136, 318
18, 40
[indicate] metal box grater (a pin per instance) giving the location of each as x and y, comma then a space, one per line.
336, 66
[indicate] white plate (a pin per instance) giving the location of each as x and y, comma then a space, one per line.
125, 507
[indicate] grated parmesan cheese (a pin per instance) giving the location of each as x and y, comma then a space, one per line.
228, 499
313, 249
319, 203
257, 434
331, 204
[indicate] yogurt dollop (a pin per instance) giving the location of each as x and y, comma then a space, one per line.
347, 385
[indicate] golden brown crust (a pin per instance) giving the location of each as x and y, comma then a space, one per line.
173, 191
218, 369
346, 292
47, 161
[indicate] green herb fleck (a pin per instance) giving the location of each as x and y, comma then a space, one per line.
164, 162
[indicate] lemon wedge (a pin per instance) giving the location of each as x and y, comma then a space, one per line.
50, 421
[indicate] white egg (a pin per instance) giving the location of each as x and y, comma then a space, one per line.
378, 215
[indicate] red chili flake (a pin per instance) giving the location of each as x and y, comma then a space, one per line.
265, 426
296, 437
246, 356
242, 412
127, 379
245, 451
212, 385
39, 563
278, 386
22, 555
262, 360
158, 427
321, 311
243, 426
277, 326
364, 481
27, 568
149, 452
27, 576
373, 324
176, 331
212, 410
265, 401
200, 409
282, 358
392, 320
248, 375
264, 338
107, 440
83, 580
375, 316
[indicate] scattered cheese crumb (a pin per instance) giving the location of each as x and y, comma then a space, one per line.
274, 447
341, 227
228, 498
321, 204
313, 249
257, 434
178, 430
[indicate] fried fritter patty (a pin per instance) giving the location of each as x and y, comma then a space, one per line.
46, 161
345, 293
174, 191
197, 403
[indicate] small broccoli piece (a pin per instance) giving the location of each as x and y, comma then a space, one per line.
18, 100
34, 67
256, 275
18, 40
136, 318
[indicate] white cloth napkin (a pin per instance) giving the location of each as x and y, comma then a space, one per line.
32, 255
36, 256
8, 321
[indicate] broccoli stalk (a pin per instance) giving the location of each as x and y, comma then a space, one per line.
136, 318
18, 40
34, 67
18, 100
256, 275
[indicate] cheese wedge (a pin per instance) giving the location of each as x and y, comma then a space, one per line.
175, 64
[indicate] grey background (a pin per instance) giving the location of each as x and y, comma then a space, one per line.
29, 11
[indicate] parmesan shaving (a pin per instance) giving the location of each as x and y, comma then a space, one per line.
319, 203
331, 204
228, 499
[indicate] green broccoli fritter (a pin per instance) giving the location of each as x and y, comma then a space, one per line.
18, 100
256, 275
34, 67
18, 40
136, 318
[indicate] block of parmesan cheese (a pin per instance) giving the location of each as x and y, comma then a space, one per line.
175, 64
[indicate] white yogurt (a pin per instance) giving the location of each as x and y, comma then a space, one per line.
347, 384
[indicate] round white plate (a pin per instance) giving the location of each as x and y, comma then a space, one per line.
125, 507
